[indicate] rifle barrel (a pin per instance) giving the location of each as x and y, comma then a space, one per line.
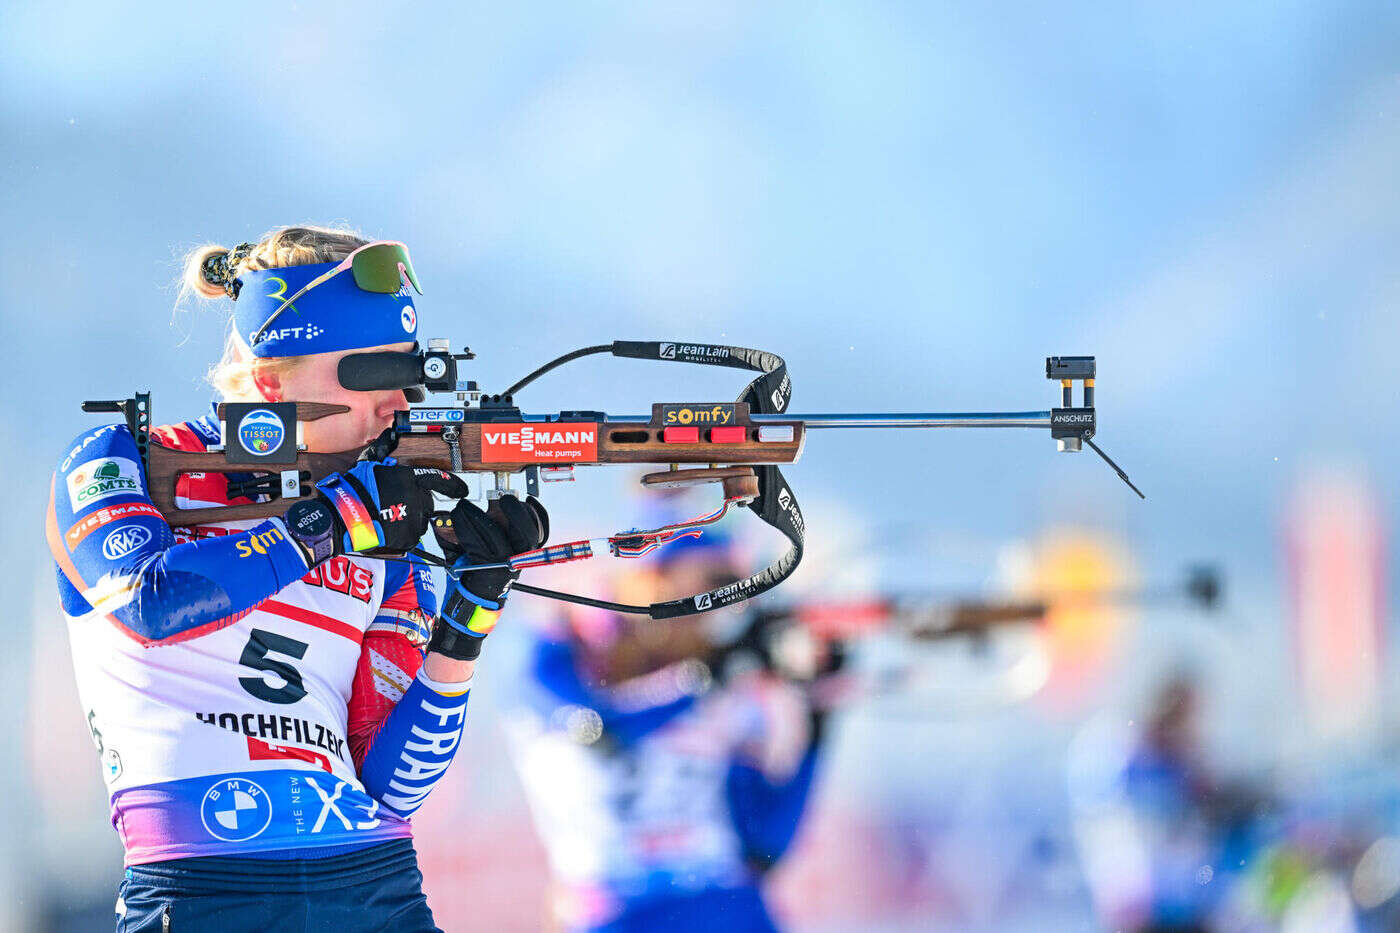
918, 419
912, 419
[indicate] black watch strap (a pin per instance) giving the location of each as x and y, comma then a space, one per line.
448, 641
311, 524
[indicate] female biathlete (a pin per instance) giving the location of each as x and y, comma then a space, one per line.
265, 714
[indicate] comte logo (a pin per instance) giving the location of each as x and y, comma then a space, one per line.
98, 479
235, 810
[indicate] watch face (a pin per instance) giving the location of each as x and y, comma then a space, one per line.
309, 519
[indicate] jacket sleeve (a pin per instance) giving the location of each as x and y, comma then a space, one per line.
766, 813
117, 557
559, 687
404, 728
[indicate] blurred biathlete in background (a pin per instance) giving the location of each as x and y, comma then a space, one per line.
666, 770
258, 691
1165, 837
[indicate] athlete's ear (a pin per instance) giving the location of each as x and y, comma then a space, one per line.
267, 381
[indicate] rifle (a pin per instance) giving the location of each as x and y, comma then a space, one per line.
804, 642
486, 438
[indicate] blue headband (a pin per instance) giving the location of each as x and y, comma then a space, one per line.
711, 543
335, 315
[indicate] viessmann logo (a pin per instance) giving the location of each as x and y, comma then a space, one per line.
721, 413
544, 443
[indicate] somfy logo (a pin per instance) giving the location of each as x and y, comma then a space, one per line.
123, 541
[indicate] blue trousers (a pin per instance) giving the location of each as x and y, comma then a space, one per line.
735, 910
365, 891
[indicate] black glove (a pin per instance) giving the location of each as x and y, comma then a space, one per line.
384, 506
475, 597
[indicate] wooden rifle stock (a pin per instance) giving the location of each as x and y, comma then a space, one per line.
509, 443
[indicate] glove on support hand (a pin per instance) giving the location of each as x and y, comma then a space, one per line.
475, 597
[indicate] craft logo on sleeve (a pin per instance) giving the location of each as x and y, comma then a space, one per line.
100, 479
540, 443
235, 810
122, 541
261, 432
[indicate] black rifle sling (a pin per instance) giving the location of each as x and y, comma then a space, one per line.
769, 394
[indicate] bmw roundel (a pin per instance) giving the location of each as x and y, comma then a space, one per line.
261, 432
235, 810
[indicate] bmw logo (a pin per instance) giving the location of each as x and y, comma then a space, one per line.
235, 810
261, 432
409, 318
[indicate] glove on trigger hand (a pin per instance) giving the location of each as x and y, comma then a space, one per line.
385, 506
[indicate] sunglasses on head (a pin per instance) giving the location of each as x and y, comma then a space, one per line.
382, 267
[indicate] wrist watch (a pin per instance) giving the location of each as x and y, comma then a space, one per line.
311, 524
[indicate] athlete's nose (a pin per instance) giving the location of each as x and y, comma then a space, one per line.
389, 403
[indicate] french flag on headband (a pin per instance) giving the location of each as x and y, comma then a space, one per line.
335, 315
